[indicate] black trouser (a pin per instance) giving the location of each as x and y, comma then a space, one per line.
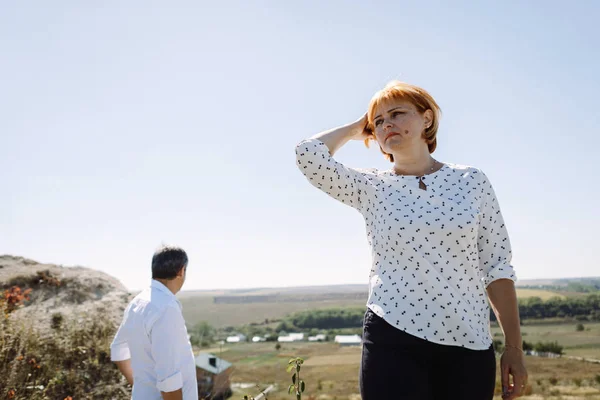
399, 366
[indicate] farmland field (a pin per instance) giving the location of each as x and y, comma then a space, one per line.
581, 344
202, 306
523, 293
220, 315
331, 372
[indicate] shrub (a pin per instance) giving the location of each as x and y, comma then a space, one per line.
284, 326
579, 327
14, 298
333, 318
498, 345
548, 347
57, 320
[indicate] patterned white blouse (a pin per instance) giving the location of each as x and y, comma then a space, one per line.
434, 251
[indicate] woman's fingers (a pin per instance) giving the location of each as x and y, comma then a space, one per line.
520, 381
513, 364
516, 389
504, 375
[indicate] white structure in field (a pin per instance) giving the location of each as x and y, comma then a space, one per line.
348, 340
318, 338
236, 338
257, 339
291, 337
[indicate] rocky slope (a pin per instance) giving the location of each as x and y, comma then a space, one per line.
75, 292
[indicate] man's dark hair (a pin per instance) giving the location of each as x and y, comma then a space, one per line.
168, 261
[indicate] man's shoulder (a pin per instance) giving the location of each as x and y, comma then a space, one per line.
161, 302
151, 300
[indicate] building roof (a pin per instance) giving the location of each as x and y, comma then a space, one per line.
203, 361
291, 337
296, 336
285, 339
347, 339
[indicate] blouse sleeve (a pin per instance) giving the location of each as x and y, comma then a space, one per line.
493, 243
332, 177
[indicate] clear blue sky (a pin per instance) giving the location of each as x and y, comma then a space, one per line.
124, 125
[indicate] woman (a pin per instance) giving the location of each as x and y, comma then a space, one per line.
439, 244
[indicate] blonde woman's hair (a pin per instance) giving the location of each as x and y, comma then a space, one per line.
419, 97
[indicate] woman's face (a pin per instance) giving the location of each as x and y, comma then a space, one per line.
399, 125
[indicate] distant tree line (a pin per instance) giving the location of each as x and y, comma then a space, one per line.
333, 318
583, 308
588, 285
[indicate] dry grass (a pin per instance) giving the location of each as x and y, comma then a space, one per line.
336, 359
71, 361
67, 358
543, 294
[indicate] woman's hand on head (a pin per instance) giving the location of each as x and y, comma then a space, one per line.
361, 130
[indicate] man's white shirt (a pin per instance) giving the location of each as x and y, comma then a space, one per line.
153, 335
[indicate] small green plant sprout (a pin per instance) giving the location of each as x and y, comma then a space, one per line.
297, 387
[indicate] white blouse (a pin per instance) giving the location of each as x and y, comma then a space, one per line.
434, 251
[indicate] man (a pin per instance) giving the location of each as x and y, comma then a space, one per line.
151, 347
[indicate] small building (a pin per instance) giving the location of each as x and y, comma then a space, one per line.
257, 339
236, 338
348, 340
291, 337
285, 339
318, 338
214, 377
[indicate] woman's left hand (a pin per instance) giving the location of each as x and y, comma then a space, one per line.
512, 363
